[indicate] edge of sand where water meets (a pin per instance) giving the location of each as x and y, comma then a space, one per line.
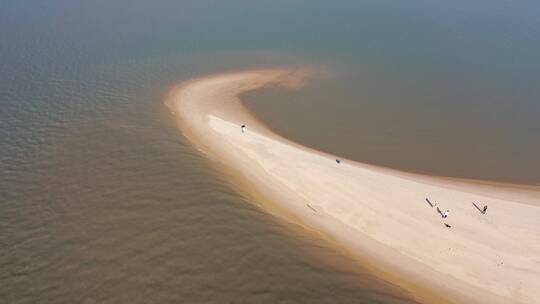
377, 213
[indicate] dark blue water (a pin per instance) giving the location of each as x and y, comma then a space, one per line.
102, 200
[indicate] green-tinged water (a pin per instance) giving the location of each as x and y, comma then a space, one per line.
103, 201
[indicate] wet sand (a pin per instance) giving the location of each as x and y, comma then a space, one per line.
380, 214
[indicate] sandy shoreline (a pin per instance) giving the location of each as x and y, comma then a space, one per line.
381, 214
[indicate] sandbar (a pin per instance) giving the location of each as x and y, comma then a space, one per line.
378, 213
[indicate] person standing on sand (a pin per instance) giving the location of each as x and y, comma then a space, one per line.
243, 127
445, 215
483, 210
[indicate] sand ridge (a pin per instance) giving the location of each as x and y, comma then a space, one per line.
380, 213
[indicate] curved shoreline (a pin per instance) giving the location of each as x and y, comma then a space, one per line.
378, 213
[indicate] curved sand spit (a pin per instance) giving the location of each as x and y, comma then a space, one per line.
378, 213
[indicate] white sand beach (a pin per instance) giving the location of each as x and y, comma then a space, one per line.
378, 213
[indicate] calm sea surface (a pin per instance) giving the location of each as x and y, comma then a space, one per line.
103, 201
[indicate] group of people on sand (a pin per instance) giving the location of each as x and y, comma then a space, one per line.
445, 214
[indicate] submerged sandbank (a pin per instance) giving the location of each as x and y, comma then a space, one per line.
379, 213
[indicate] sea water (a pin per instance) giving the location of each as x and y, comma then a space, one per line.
103, 200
